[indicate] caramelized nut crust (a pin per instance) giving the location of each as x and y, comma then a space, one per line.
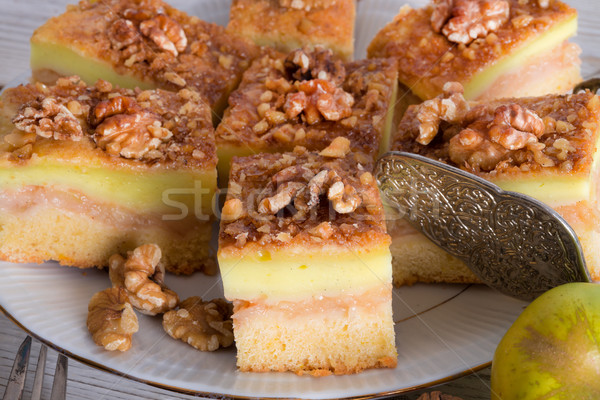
286, 198
512, 135
133, 127
283, 102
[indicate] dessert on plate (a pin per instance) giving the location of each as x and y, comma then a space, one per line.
494, 48
308, 98
90, 171
545, 147
142, 43
290, 24
304, 256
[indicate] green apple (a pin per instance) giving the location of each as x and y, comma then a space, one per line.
552, 351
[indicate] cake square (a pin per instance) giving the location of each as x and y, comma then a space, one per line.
91, 171
494, 48
304, 256
291, 24
308, 98
146, 44
545, 147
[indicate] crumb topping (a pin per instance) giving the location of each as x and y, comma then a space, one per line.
510, 135
300, 196
152, 127
309, 98
153, 41
428, 59
306, 5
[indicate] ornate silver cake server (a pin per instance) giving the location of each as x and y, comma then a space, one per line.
512, 242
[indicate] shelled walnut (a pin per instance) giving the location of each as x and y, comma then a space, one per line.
205, 326
124, 128
111, 319
463, 21
142, 276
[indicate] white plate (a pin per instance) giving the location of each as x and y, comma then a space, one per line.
442, 331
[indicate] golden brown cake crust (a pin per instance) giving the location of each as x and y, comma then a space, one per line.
133, 129
267, 84
573, 118
288, 24
428, 59
253, 180
209, 59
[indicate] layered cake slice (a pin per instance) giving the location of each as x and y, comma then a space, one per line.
545, 147
494, 48
143, 43
304, 256
90, 171
291, 24
308, 98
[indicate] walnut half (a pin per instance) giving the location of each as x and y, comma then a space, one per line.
124, 128
463, 21
142, 277
205, 326
49, 119
111, 320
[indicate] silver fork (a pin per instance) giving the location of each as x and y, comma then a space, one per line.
16, 381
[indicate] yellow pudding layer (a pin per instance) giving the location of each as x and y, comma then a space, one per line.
480, 82
291, 275
67, 61
162, 191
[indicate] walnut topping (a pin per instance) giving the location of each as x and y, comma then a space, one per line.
111, 320
48, 119
284, 195
543, 3
123, 128
205, 326
463, 21
143, 278
166, 33
344, 197
514, 127
338, 148
449, 107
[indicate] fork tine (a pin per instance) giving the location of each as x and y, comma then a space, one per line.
38, 380
16, 380
59, 386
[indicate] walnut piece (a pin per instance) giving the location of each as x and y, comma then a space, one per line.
472, 148
323, 99
123, 34
450, 107
284, 196
124, 128
142, 276
343, 196
233, 209
48, 119
338, 148
111, 320
463, 21
515, 127
205, 326
166, 33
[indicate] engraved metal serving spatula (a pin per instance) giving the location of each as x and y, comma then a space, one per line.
512, 242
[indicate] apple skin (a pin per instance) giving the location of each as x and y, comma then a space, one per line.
552, 351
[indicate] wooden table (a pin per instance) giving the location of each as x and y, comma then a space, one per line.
18, 19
